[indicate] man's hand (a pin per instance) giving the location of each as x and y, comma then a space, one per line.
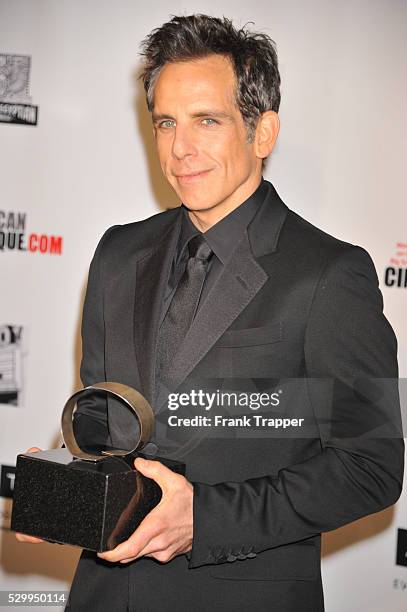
167, 530
21, 537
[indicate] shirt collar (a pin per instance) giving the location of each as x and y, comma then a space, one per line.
224, 236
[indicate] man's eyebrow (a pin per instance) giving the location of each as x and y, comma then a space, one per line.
211, 113
161, 117
202, 113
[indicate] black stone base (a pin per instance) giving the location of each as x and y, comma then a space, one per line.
92, 505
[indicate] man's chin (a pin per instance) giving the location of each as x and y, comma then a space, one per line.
197, 206
195, 200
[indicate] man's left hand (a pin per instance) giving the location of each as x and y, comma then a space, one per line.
167, 530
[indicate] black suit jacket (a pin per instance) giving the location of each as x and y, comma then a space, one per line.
294, 309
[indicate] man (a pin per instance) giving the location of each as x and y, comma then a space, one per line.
235, 291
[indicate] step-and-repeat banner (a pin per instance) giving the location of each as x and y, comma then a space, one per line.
76, 156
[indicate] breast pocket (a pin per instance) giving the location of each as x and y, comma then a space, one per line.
248, 352
252, 336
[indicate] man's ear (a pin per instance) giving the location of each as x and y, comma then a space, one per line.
266, 133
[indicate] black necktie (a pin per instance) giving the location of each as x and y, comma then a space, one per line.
182, 309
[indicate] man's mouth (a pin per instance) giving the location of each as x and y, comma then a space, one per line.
191, 177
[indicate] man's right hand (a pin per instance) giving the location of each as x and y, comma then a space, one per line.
21, 537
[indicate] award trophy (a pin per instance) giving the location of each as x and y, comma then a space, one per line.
94, 501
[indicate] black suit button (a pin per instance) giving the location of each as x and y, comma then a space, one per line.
150, 449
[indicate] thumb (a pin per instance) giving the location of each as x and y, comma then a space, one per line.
154, 470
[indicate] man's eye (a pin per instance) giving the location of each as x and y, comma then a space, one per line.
209, 121
168, 123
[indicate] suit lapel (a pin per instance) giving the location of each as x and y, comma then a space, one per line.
234, 289
237, 285
151, 281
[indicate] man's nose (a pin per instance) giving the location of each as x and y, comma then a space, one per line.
183, 143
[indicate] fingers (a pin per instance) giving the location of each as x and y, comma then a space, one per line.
158, 548
21, 537
33, 449
155, 470
162, 549
146, 531
167, 530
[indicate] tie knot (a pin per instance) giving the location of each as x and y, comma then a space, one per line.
199, 248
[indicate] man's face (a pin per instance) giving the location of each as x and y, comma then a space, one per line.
201, 137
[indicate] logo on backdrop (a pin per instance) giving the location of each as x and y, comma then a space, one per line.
395, 275
11, 364
8, 474
401, 556
15, 101
13, 236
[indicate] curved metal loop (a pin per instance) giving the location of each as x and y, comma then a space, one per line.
128, 396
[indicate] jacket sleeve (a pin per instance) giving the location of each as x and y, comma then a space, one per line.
90, 418
350, 356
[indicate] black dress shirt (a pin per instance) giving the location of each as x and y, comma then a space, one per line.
223, 237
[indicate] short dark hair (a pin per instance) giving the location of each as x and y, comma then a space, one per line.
253, 56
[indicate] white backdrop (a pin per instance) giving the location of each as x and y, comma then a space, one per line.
90, 163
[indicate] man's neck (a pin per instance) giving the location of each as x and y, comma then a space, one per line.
205, 219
